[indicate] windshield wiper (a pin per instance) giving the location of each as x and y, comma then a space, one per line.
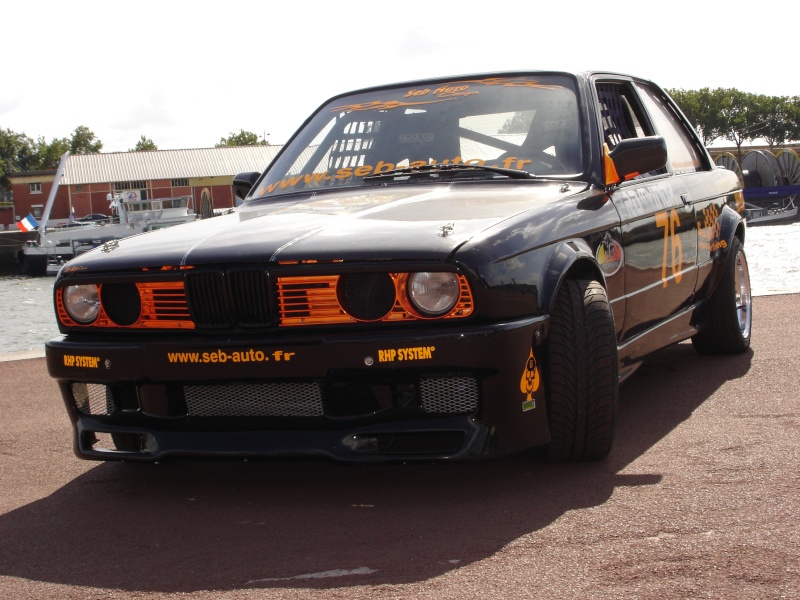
435, 170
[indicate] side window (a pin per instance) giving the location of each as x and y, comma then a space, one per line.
683, 151
620, 114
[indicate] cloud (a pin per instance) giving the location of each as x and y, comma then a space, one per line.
9, 104
175, 77
417, 43
151, 111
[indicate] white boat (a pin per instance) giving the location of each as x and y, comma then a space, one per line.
55, 246
783, 212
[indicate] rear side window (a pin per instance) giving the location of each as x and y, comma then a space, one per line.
684, 153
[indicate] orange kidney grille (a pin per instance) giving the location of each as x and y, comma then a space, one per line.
162, 305
334, 299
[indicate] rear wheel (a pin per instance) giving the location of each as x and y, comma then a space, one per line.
726, 328
582, 384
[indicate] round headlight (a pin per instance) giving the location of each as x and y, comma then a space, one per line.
82, 302
433, 294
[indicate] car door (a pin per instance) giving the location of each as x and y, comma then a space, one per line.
690, 163
658, 227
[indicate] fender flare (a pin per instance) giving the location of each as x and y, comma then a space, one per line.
732, 224
566, 258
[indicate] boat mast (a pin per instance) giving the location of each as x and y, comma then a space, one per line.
51, 198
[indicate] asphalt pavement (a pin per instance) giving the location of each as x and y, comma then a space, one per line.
700, 497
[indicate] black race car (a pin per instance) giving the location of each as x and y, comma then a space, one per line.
453, 268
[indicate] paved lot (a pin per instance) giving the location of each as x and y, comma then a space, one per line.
700, 498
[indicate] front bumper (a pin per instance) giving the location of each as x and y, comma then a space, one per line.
447, 394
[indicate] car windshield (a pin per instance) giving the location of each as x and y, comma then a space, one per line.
523, 124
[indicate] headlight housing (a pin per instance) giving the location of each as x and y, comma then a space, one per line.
433, 293
82, 302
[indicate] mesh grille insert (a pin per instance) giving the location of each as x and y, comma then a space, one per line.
449, 394
367, 297
122, 302
254, 400
93, 398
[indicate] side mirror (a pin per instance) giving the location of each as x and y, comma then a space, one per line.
243, 183
634, 156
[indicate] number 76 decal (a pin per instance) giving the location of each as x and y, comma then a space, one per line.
672, 245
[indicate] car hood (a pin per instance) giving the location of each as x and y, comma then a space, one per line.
418, 222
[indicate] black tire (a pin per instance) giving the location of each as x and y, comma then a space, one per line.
582, 384
727, 325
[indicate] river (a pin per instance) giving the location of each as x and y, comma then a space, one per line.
773, 254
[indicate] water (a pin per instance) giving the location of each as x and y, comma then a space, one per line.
773, 255
28, 320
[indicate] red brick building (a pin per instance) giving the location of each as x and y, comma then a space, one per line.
205, 174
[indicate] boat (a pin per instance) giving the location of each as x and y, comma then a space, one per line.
55, 246
778, 213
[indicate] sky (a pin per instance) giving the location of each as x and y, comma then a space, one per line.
186, 74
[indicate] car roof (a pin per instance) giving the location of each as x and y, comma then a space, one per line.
578, 75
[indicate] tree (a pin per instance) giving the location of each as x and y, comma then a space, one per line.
144, 143
50, 153
741, 119
701, 108
16, 149
243, 138
793, 116
17, 153
84, 141
776, 114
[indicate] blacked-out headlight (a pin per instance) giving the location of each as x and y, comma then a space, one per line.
433, 294
82, 302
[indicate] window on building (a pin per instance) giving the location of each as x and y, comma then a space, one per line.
130, 185
36, 188
180, 183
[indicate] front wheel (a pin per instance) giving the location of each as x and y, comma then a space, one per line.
582, 386
728, 323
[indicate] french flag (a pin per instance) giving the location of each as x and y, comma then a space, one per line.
28, 223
